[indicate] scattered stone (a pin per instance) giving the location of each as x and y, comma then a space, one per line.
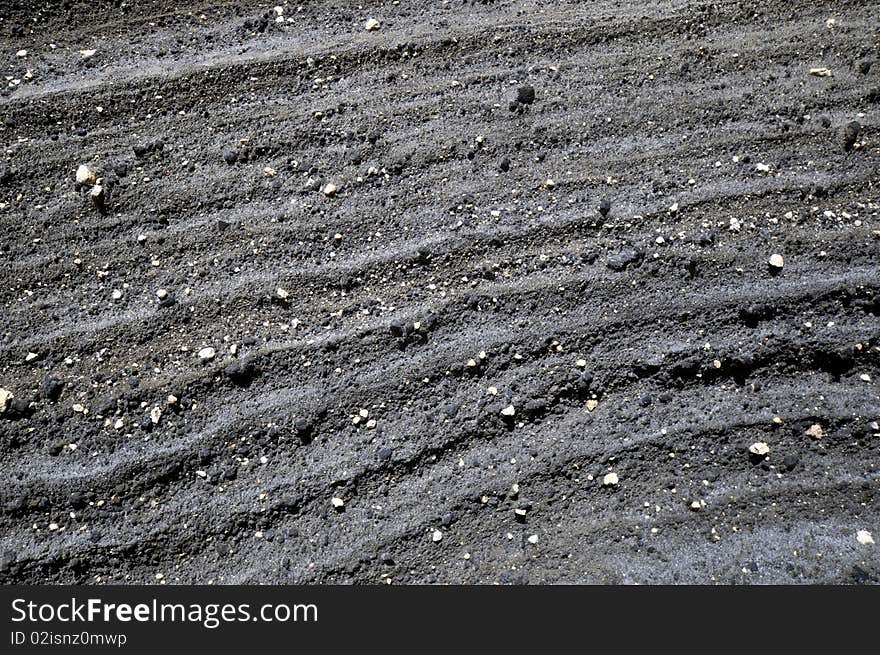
97, 195
85, 175
51, 388
533, 539
87, 54
820, 71
759, 448
525, 95
436, 536
329, 189
850, 135
230, 156
508, 411
5, 397
865, 538
282, 294
207, 354
815, 431
21, 53
776, 262
604, 206
372, 24
504, 166
337, 502
611, 480
623, 260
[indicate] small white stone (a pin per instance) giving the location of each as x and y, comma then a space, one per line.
162, 294
865, 538
372, 24
581, 363
337, 502
87, 54
759, 448
763, 168
508, 411
864, 377
21, 53
155, 415
610, 479
329, 189
207, 354
30, 357
53, 527
776, 261
533, 539
436, 536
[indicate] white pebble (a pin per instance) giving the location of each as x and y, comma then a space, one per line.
207, 354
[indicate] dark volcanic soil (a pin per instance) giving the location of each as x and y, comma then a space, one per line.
370, 344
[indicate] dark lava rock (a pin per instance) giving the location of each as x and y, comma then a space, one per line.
230, 156
241, 373
51, 388
604, 206
504, 166
624, 259
525, 95
850, 134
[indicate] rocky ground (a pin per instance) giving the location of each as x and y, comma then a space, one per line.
517, 292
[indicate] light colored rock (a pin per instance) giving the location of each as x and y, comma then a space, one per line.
611, 480
508, 411
371, 25
329, 189
865, 538
85, 175
759, 448
436, 536
337, 502
815, 431
5, 397
207, 354
87, 54
776, 261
